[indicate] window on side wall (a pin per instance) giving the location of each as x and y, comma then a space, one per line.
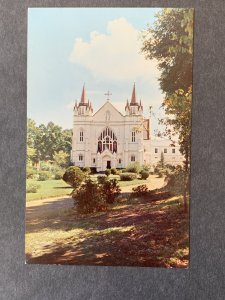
81, 136
133, 136
165, 150
156, 150
173, 150
132, 157
81, 157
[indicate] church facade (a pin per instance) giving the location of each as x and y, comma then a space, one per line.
109, 139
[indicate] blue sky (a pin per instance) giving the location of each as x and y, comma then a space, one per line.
100, 47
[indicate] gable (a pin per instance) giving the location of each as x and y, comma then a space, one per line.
108, 113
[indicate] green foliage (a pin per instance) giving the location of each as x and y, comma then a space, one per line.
89, 198
45, 166
58, 175
128, 176
31, 155
61, 159
133, 168
93, 197
93, 170
107, 172
140, 191
86, 170
114, 171
146, 168
177, 181
47, 140
32, 187
170, 41
44, 175
178, 105
74, 176
30, 172
110, 189
101, 179
144, 174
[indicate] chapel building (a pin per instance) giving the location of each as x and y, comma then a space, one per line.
109, 139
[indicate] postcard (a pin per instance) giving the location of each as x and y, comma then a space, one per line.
109, 99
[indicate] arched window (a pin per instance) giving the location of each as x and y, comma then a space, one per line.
132, 158
107, 140
81, 157
133, 136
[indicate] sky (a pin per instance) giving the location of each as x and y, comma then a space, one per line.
100, 47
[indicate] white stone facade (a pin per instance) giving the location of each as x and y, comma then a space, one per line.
108, 139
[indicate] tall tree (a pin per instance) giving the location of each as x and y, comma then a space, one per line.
170, 42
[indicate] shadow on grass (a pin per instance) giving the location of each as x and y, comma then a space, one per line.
144, 233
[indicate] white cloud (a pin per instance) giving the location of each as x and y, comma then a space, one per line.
115, 55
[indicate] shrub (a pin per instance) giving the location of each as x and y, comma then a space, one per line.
144, 174
128, 176
86, 170
74, 176
101, 179
141, 190
146, 168
93, 170
32, 187
110, 189
133, 168
45, 166
58, 175
107, 172
114, 171
30, 172
89, 198
44, 175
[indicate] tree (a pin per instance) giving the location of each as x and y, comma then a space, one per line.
48, 140
170, 41
61, 158
161, 162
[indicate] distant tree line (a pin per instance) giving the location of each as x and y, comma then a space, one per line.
48, 143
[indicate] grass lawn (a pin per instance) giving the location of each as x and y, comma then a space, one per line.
48, 189
55, 188
135, 232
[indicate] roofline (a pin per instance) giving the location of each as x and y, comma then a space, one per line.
111, 105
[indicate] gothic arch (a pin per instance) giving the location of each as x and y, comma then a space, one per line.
107, 140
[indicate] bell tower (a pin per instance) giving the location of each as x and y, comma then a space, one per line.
84, 107
133, 108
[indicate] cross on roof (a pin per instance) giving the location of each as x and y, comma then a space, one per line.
108, 94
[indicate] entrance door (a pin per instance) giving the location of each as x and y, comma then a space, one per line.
108, 166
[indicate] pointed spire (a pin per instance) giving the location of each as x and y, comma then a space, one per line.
133, 98
83, 95
127, 105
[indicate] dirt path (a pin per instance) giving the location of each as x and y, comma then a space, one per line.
38, 208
